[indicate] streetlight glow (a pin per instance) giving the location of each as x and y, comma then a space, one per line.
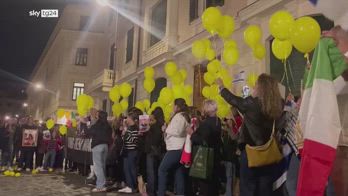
16, 115
102, 2
38, 86
7, 118
25, 105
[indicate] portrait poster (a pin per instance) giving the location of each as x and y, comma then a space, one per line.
29, 138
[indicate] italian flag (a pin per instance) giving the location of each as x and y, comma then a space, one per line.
319, 119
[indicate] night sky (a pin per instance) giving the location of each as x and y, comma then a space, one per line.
22, 40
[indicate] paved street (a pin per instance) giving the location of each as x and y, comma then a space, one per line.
47, 184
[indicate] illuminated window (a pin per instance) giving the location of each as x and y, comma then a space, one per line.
78, 89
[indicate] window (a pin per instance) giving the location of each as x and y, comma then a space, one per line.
129, 51
158, 22
193, 10
214, 3
81, 56
159, 84
296, 63
78, 89
84, 20
112, 57
131, 99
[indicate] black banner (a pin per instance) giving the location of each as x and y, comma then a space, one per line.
79, 150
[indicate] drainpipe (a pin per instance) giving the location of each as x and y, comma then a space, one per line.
115, 63
138, 49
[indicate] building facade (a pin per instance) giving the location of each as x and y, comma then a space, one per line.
94, 47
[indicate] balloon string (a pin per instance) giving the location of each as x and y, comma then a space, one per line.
291, 74
286, 75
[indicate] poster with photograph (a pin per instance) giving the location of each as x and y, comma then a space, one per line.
46, 135
144, 122
29, 138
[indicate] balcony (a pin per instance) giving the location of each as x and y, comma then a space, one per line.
102, 82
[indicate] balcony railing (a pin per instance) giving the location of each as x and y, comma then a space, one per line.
101, 82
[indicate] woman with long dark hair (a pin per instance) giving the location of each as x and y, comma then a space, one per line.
154, 149
260, 111
175, 136
101, 137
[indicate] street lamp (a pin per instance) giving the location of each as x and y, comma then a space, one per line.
25, 105
7, 118
16, 115
38, 86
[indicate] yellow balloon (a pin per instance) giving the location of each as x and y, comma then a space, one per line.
226, 27
183, 73
178, 91
147, 104
214, 90
230, 44
149, 85
63, 129
124, 104
177, 78
49, 124
280, 24
211, 17
18, 174
117, 109
259, 51
227, 82
305, 34
170, 68
214, 66
206, 92
166, 95
207, 43
125, 89
60, 113
149, 72
281, 49
210, 54
251, 79
188, 89
252, 35
209, 78
114, 93
230, 55
198, 49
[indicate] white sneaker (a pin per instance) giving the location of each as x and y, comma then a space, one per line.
125, 190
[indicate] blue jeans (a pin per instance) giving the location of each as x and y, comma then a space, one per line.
151, 172
50, 156
130, 168
99, 153
292, 175
170, 161
230, 170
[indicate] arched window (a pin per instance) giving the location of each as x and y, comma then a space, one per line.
159, 84
297, 62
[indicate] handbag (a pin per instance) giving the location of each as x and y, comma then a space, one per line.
203, 162
263, 155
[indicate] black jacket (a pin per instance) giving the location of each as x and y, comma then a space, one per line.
100, 133
209, 133
154, 140
257, 128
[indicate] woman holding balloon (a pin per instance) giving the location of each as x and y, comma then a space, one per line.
260, 112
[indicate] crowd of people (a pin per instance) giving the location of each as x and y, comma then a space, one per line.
149, 161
